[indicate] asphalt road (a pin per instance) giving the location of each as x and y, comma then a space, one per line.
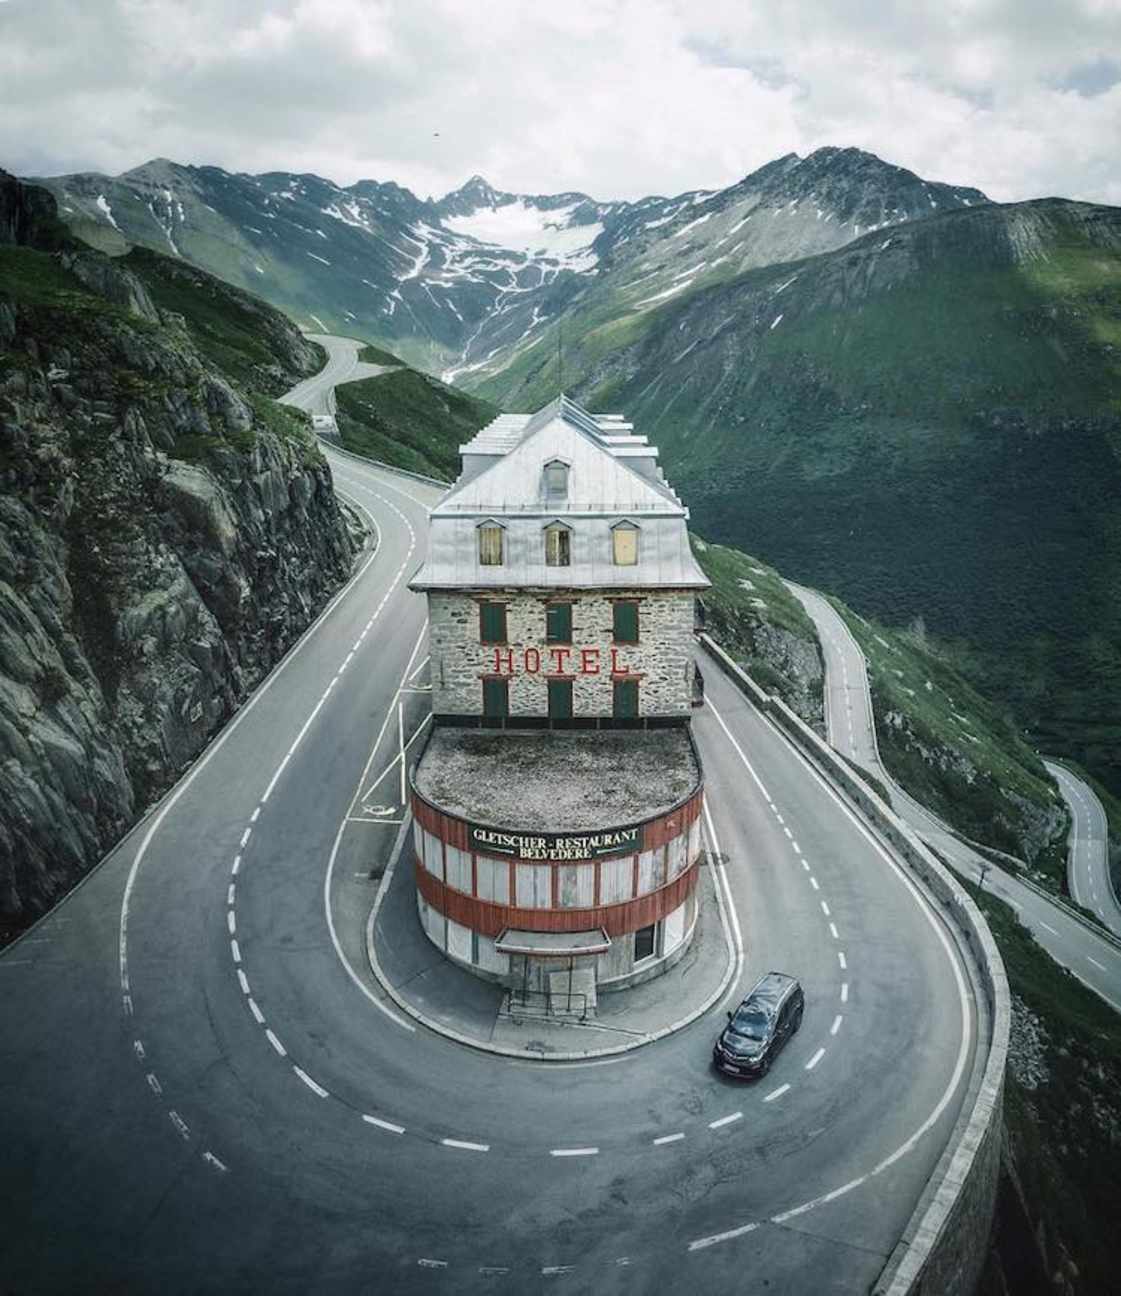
203, 1089
1088, 850
851, 729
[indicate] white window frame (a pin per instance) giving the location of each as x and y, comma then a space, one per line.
553, 528
629, 528
548, 472
489, 524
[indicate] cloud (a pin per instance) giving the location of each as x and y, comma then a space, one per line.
614, 97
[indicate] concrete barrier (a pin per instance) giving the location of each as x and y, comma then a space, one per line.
943, 1248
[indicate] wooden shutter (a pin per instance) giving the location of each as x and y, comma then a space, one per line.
496, 697
625, 619
492, 623
558, 623
624, 541
560, 699
626, 699
490, 546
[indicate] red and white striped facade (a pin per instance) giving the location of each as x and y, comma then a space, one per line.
467, 898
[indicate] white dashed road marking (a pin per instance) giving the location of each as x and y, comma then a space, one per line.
668, 1138
815, 1059
465, 1147
776, 1093
383, 1124
725, 1120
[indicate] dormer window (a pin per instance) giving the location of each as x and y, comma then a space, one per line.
624, 544
557, 545
490, 544
556, 479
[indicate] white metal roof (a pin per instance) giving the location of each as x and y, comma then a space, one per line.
613, 475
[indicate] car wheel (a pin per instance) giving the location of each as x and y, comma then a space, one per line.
798, 1019
766, 1066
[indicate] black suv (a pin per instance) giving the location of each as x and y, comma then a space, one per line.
760, 1026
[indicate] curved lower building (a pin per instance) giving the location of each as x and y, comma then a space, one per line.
540, 853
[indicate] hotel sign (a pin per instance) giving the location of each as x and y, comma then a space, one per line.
553, 846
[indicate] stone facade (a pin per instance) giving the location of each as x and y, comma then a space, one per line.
662, 659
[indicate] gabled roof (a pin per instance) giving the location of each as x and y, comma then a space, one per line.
599, 449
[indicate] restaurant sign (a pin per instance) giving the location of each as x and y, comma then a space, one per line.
553, 846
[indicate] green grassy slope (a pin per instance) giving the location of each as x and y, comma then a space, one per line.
755, 618
959, 753
410, 420
927, 422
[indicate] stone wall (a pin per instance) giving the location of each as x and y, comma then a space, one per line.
663, 657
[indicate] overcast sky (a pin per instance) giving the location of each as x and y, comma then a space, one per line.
618, 98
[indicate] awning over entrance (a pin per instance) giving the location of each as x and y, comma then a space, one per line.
552, 944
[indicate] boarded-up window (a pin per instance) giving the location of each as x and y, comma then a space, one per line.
673, 930
677, 852
694, 839
560, 699
535, 886
624, 544
492, 623
433, 855
651, 870
624, 627
616, 877
490, 546
556, 479
459, 941
496, 697
457, 866
625, 699
493, 879
576, 886
557, 548
558, 623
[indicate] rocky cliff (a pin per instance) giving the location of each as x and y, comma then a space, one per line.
166, 533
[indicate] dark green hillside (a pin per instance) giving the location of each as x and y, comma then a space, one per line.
927, 421
410, 420
251, 341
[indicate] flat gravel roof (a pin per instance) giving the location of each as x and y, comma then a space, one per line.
553, 781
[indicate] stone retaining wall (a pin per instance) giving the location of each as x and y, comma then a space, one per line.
943, 1248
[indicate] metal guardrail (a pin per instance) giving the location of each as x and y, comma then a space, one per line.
380, 463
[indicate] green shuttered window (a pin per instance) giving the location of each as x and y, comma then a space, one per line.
492, 623
496, 697
560, 699
626, 700
625, 618
558, 623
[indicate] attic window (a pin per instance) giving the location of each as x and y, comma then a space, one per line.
490, 545
624, 544
557, 545
556, 479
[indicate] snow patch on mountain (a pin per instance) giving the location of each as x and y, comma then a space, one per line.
521, 227
104, 207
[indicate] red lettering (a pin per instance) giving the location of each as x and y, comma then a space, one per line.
589, 661
508, 654
560, 656
616, 669
532, 661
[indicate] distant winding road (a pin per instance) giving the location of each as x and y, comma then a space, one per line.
204, 1090
851, 729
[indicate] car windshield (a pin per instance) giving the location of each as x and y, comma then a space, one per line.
751, 1023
